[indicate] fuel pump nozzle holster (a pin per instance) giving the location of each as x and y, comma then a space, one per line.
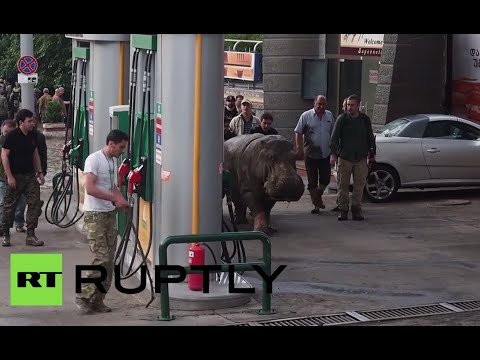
123, 171
136, 178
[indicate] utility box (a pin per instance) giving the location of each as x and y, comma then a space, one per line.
119, 119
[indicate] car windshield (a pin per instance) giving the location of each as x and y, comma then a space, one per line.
393, 127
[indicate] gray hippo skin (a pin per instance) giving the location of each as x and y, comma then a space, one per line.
263, 172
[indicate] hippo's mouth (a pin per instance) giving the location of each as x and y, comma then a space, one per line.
284, 188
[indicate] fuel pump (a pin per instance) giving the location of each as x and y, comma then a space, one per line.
74, 152
135, 172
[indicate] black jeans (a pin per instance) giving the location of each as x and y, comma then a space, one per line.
318, 171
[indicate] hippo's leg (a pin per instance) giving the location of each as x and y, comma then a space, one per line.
268, 208
256, 205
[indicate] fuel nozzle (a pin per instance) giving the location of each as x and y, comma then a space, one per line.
134, 178
75, 152
66, 148
123, 170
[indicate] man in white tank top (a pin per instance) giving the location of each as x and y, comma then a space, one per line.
102, 200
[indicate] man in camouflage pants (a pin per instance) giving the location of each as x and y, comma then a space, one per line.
24, 174
102, 200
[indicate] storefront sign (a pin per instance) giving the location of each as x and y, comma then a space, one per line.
361, 44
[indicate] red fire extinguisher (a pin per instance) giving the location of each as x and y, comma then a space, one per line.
196, 256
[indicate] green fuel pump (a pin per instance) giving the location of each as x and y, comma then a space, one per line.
80, 147
136, 169
119, 119
75, 150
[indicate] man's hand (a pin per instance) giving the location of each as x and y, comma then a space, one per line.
333, 159
121, 203
12, 182
41, 178
371, 160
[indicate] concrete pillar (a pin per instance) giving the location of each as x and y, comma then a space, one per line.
411, 76
282, 76
26, 48
178, 99
104, 81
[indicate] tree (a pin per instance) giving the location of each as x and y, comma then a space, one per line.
54, 55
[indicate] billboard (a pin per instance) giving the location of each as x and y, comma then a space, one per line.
242, 66
466, 76
361, 44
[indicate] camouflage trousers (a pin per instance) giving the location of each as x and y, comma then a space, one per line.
100, 228
28, 185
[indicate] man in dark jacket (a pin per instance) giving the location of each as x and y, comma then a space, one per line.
265, 126
353, 146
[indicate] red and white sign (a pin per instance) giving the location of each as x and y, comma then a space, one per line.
361, 44
27, 65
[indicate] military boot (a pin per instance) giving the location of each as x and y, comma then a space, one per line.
84, 305
98, 305
357, 213
32, 240
6, 238
316, 197
320, 190
343, 215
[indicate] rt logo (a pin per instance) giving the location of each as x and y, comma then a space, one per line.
36, 280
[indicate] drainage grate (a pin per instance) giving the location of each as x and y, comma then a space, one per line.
312, 320
400, 313
352, 317
467, 305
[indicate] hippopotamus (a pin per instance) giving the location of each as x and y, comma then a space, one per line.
263, 173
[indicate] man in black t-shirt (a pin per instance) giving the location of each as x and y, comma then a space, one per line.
22, 165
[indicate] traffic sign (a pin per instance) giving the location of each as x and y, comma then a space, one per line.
27, 65
28, 79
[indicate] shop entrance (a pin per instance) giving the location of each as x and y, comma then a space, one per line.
359, 77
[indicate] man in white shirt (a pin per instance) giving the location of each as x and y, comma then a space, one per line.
312, 137
102, 200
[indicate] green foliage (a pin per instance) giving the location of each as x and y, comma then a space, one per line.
243, 46
53, 52
53, 113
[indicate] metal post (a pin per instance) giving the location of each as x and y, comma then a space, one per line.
178, 82
26, 48
266, 298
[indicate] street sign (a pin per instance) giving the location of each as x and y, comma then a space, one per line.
27, 65
28, 79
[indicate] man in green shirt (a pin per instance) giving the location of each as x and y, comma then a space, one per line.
351, 144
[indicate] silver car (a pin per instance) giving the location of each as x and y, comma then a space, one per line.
424, 151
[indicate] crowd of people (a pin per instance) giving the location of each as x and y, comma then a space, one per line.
322, 142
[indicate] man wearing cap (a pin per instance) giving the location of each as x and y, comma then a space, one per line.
42, 104
241, 124
230, 108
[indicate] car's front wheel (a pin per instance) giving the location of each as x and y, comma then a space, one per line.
382, 183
